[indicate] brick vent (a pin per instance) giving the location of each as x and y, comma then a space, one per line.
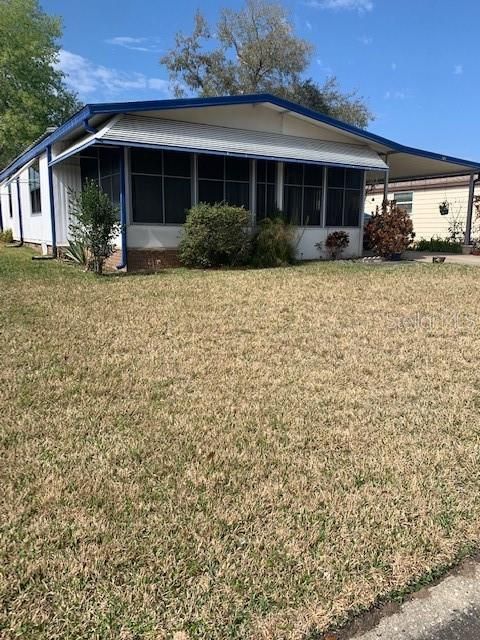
152, 259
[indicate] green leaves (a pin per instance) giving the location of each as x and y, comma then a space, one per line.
256, 51
95, 223
33, 95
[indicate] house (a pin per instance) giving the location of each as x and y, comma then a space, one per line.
424, 200
157, 158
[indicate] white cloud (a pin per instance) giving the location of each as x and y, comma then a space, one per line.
100, 82
324, 68
366, 40
458, 69
396, 94
308, 25
352, 5
394, 66
135, 44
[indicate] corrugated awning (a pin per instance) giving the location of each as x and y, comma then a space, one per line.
133, 130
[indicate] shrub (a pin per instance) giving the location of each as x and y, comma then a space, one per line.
6, 236
78, 253
215, 235
336, 242
439, 244
95, 223
389, 231
273, 244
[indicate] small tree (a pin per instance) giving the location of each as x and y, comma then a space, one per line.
389, 231
95, 223
215, 235
274, 243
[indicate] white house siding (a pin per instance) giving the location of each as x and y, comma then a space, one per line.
256, 117
427, 221
66, 178
7, 221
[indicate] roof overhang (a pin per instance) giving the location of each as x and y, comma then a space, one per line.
134, 130
410, 163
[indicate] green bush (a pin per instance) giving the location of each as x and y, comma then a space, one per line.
439, 244
95, 223
215, 235
6, 236
273, 244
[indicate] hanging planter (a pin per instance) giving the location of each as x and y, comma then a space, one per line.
444, 208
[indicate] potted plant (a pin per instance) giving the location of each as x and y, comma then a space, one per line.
444, 208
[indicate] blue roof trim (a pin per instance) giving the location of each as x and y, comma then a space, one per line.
90, 110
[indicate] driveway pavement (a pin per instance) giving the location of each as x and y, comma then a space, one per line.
451, 258
449, 610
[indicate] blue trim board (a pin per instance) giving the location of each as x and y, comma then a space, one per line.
81, 119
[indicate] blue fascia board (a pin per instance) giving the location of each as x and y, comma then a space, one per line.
158, 105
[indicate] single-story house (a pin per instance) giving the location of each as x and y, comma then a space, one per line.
158, 158
425, 201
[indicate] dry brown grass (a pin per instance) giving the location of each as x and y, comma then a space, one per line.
249, 454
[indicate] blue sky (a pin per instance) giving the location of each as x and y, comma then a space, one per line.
415, 61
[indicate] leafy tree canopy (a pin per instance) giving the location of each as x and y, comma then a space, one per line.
255, 50
33, 95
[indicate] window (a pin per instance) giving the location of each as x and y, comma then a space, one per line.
404, 200
344, 197
224, 178
302, 197
103, 166
10, 201
266, 189
161, 186
34, 186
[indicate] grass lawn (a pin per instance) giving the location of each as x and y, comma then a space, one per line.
231, 454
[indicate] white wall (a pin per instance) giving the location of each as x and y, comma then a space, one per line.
36, 225
141, 236
256, 117
426, 218
66, 178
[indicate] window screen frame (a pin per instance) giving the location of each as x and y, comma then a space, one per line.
344, 189
35, 189
225, 181
306, 185
10, 200
162, 175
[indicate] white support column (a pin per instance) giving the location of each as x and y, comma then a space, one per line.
253, 193
279, 194
468, 223
323, 221
194, 179
128, 186
362, 213
386, 180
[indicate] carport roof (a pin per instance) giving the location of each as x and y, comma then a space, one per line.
404, 162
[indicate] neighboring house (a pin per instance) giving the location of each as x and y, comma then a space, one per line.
156, 159
422, 200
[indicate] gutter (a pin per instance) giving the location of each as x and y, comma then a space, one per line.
123, 213
52, 201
